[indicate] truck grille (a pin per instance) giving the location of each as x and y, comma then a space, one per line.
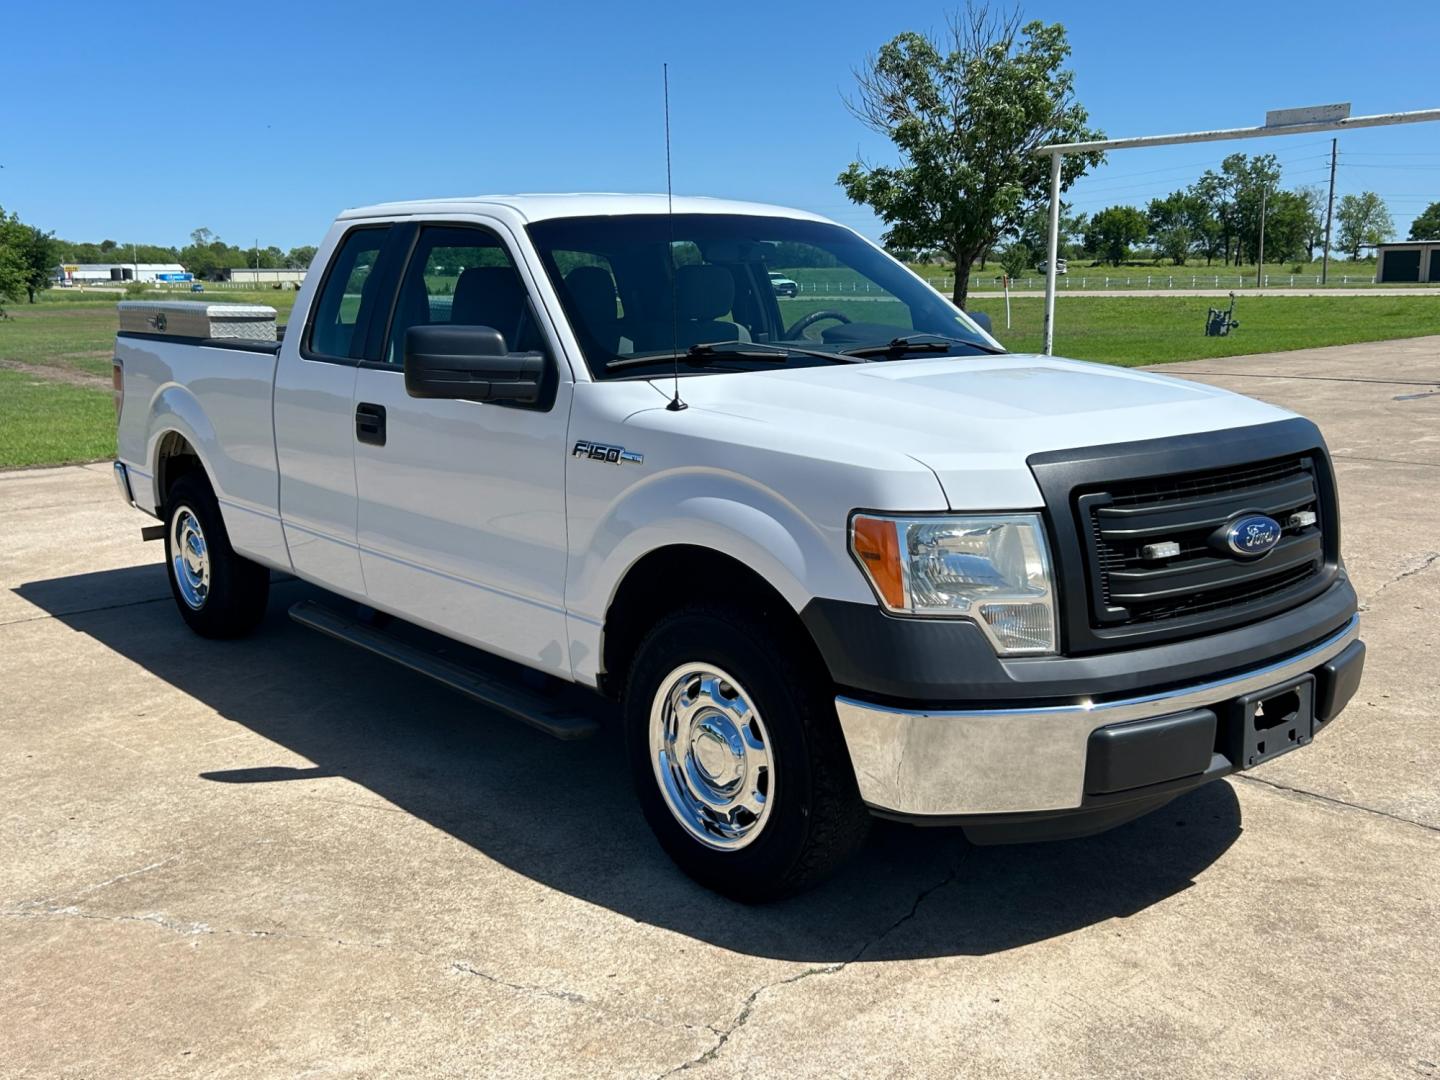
1129, 587
1107, 505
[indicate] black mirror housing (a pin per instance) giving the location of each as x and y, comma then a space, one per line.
981, 319
469, 363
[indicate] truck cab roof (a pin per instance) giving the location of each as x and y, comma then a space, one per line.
539, 207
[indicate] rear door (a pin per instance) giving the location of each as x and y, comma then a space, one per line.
314, 406
462, 503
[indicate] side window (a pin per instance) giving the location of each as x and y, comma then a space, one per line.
462, 276
348, 297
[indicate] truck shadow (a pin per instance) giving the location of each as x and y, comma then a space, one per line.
563, 814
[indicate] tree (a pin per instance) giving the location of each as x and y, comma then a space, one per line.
966, 114
1035, 232
1112, 231
1170, 223
1290, 226
1427, 225
27, 259
1364, 221
1016, 258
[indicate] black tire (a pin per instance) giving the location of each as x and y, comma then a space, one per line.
237, 589
816, 819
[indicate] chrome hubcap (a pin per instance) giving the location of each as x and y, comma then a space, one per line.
711, 755
189, 558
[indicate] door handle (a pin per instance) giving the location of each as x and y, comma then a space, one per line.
370, 423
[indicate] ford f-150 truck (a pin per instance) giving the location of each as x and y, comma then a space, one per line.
833, 556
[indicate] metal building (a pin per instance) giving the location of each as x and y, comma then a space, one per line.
1408, 260
119, 273
249, 275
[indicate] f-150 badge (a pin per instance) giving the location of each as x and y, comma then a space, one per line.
615, 455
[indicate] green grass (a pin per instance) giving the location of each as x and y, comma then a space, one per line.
1145, 330
43, 422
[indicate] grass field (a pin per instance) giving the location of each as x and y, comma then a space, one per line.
55, 401
1157, 330
44, 422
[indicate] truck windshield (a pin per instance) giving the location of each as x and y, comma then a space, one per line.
643, 285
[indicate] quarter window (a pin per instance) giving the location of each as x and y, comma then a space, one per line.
348, 297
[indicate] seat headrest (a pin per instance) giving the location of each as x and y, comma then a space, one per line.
593, 291
488, 296
703, 293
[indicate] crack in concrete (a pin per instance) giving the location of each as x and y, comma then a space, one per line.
747, 1007
84, 611
1426, 561
542, 991
1336, 802
199, 929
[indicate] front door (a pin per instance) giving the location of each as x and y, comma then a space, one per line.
462, 503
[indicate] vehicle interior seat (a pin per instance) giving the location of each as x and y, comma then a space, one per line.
703, 295
592, 290
491, 296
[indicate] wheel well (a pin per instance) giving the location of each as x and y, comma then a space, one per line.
174, 459
667, 579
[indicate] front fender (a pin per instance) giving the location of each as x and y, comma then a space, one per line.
729, 514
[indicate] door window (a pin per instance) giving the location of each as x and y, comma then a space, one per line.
462, 276
348, 297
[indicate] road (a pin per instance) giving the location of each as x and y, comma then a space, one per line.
279, 857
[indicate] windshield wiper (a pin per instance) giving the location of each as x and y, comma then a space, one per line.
758, 351
919, 343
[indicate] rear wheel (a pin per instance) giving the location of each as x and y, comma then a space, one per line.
219, 593
737, 756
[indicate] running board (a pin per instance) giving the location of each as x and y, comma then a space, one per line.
551, 717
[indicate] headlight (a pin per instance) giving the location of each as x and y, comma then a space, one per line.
992, 568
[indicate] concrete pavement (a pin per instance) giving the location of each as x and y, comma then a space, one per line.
278, 857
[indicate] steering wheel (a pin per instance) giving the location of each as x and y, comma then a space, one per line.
807, 321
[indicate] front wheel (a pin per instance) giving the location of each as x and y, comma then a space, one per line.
220, 594
737, 756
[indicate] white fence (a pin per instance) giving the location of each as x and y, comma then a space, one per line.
1118, 281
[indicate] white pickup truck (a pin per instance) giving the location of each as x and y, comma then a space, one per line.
835, 555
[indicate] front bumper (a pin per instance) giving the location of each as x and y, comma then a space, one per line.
942, 765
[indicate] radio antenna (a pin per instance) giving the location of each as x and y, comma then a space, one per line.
675, 403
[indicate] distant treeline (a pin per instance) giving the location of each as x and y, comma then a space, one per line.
206, 256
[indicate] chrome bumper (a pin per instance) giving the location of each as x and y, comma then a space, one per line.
996, 761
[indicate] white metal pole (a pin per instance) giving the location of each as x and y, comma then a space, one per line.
1006, 279
1054, 252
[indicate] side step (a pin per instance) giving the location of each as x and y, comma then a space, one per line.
553, 718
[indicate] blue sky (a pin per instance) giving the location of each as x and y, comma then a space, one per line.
142, 121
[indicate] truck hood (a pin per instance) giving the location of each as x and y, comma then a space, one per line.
974, 420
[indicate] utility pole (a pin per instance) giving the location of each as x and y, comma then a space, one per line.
1260, 262
1329, 212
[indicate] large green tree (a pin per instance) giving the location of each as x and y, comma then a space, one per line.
1111, 232
1427, 225
27, 259
966, 112
1364, 221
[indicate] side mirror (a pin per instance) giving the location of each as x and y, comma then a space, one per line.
982, 319
469, 363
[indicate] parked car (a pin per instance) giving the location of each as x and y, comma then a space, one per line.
783, 286
1061, 267
197, 287
829, 569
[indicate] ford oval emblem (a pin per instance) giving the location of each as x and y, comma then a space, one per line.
1253, 534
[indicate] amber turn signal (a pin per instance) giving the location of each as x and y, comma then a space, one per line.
877, 547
